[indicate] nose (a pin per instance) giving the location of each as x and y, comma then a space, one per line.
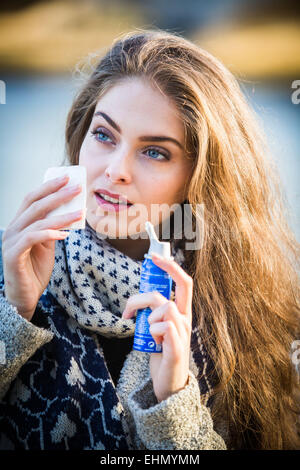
118, 169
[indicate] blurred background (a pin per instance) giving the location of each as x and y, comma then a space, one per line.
41, 42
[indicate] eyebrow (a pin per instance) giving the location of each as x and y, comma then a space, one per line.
143, 138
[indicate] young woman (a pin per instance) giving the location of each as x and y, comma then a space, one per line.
159, 121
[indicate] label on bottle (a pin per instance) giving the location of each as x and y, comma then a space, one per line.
153, 278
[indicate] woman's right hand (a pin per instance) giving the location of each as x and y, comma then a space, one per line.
28, 244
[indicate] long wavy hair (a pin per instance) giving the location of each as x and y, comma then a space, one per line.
246, 274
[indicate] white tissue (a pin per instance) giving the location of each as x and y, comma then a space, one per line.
77, 175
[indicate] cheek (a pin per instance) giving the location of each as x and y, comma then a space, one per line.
165, 188
89, 157
86, 151
182, 179
87, 162
154, 189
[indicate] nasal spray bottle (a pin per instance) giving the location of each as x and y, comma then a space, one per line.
153, 278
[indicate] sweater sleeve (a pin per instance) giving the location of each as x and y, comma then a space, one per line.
181, 422
19, 339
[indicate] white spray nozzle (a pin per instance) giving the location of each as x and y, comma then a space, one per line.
161, 248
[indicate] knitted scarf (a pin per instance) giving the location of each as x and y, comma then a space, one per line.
68, 398
92, 281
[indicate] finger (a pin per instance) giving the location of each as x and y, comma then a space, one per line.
46, 188
43, 231
184, 283
49, 229
42, 236
166, 333
169, 312
55, 222
41, 207
143, 300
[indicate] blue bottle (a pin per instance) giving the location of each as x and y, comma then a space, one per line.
153, 278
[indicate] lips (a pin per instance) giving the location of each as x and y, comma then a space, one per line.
113, 195
110, 206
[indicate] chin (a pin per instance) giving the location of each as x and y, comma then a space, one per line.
111, 228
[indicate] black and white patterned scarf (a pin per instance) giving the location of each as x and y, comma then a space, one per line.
64, 397
92, 281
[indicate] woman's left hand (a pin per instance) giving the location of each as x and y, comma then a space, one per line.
170, 324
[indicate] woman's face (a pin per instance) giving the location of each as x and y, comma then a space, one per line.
123, 155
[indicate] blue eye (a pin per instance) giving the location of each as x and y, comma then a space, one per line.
98, 132
154, 150
100, 136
